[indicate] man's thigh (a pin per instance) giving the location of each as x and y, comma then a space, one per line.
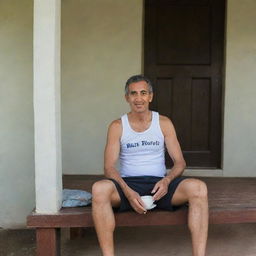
184, 190
115, 197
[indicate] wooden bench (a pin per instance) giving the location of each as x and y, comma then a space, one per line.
231, 200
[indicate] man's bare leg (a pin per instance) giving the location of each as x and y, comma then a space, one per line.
104, 196
194, 192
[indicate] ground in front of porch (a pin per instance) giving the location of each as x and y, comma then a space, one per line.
224, 240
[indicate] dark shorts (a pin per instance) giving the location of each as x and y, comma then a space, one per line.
144, 185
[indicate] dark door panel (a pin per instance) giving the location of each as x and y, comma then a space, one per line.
184, 58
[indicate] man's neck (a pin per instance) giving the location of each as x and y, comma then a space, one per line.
140, 117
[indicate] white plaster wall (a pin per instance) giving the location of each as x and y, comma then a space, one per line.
240, 92
101, 48
17, 196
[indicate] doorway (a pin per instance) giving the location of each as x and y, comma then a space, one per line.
183, 56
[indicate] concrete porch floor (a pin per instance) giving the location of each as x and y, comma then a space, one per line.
224, 240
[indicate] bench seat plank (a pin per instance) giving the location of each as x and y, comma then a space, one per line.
81, 217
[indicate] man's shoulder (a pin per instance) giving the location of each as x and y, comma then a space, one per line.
164, 119
165, 124
116, 125
115, 129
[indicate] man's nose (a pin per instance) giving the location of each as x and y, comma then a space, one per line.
138, 97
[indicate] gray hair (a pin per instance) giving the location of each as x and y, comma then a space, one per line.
135, 79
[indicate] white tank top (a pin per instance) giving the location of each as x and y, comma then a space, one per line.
142, 153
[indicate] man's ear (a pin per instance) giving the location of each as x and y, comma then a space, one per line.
151, 97
126, 97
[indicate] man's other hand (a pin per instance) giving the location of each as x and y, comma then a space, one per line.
160, 189
136, 202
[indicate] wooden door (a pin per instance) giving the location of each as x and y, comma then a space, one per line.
183, 56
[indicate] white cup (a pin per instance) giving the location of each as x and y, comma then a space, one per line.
148, 202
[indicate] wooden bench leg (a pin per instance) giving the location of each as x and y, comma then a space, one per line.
48, 241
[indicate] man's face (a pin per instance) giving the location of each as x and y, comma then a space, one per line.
139, 96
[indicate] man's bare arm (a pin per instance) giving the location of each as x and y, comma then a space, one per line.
174, 150
111, 155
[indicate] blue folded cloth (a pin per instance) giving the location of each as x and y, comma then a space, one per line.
74, 198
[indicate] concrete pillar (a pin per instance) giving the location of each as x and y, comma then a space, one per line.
48, 170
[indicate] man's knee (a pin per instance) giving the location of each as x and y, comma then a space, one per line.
102, 189
196, 189
105, 191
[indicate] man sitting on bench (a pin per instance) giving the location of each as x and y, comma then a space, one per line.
138, 140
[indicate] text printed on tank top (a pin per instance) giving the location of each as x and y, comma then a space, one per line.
142, 144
